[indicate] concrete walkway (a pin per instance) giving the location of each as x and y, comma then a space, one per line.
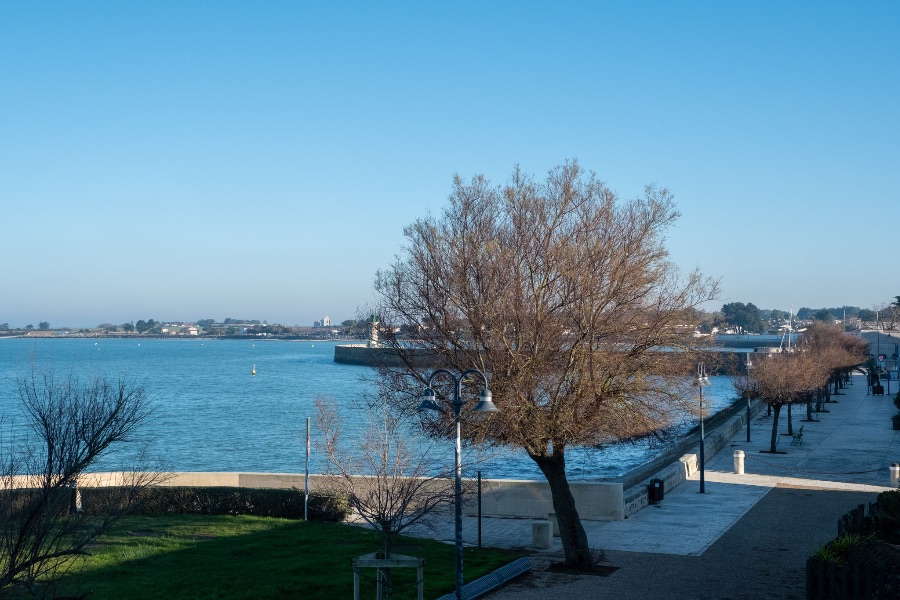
844, 460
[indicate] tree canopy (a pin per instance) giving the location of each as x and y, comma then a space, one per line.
745, 317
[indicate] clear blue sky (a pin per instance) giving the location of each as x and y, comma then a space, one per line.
188, 160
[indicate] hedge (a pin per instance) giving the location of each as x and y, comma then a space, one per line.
261, 502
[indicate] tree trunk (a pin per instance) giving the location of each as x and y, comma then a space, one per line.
387, 585
809, 412
790, 421
777, 409
571, 532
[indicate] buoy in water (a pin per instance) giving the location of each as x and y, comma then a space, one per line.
253, 372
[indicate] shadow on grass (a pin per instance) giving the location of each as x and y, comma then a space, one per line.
278, 559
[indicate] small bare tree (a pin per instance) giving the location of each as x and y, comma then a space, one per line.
71, 425
390, 485
838, 351
781, 380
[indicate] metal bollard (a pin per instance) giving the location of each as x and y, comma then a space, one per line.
739, 462
895, 474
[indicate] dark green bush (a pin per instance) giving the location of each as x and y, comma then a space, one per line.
897, 400
18, 503
261, 502
889, 503
887, 517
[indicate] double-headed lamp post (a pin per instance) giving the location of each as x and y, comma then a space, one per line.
485, 404
702, 380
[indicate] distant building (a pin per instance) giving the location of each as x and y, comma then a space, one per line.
324, 322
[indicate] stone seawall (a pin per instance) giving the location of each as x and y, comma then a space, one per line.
500, 497
722, 363
363, 355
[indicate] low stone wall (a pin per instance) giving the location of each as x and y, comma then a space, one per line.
532, 499
500, 497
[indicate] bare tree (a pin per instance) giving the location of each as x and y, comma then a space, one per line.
70, 427
824, 353
783, 379
390, 486
563, 294
894, 308
838, 351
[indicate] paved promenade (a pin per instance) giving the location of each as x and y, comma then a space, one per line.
748, 536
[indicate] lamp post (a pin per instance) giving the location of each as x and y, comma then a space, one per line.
702, 380
485, 404
749, 365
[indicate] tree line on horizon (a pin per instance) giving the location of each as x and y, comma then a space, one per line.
748, 318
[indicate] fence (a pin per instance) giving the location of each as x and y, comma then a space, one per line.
851, 579
870, 571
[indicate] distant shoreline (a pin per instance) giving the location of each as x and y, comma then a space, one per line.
131, 336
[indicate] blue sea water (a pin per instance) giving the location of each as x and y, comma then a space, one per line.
210, 413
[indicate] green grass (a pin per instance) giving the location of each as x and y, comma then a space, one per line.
188, 556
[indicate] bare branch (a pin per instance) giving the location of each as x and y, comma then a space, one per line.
75, 424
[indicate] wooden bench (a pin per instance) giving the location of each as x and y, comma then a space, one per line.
798, 437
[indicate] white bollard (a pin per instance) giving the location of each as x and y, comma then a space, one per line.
895, 474
739, 462
541, 534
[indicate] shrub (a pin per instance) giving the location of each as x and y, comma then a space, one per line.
824, 554
849, 544
261, 502
887, 517
889, 503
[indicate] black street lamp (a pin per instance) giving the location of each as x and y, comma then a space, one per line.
485, 404
702, 380
749, 366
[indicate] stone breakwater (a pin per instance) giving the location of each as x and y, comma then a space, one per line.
722, 362
363, 355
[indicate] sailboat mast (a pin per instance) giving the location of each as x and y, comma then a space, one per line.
790, 327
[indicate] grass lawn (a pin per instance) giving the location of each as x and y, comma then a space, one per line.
187, 556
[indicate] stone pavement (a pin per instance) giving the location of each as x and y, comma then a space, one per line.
846, 453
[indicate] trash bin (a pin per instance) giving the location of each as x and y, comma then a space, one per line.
656, 490
878, 390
